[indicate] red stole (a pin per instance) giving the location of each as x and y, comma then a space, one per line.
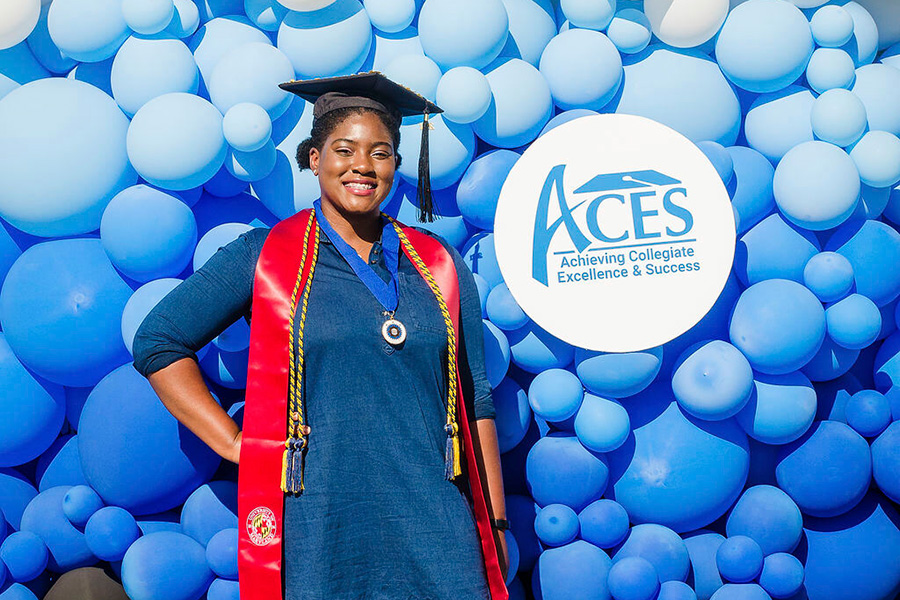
260, 499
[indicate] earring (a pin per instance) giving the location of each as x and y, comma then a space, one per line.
315, 171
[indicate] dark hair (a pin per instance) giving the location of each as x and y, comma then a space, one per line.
324, 125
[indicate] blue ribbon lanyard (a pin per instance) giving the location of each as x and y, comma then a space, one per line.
387, 293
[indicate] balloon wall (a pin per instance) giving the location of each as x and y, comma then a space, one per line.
756, 456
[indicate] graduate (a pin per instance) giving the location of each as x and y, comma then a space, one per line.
369, 462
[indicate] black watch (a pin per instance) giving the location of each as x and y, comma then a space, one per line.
501, 524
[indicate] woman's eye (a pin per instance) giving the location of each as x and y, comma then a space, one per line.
344, 151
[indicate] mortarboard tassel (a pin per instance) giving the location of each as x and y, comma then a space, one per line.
426, 207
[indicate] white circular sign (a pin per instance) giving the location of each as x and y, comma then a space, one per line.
614, 233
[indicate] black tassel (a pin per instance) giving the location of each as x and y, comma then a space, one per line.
426, 206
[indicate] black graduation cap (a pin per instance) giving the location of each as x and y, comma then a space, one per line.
373, 90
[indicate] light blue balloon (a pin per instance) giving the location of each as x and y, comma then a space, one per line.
831, 26
876, 85
872, 248
886, 461
768, 516
215, 238
782, 575
247, 127
661, 547
560, 470
98, 74
618, 375
481, 258
633, 578
532, 25
222, 553
223, 184
576, 570
830, 68
828, 275
389, 46
555, 395
464, 93
740, 559
252, 166
479, 188
781, 408
720, 159
218, 36
390, 16
175, 141
223, 589
265, 14
186, 19
74, 162
863, 44
497, 353
816, 170
417, 72
830, 362
583, 69
210, 509
565, 117
556, 525
148, 234
503, 310
146, 68
683, 89
334, 40
251, 73
24, 555
448, 223
60, 464
87, 30
740, 591
601, 425
779, 121
868, 413
141, 303
702, 546
587, 14
451, 147
18, 66
513, 413
774, 249
43, 48
467, 33
630, 31
603, 523
752, 197
764, 45
148, 16
676, 590
533, 349
877, 158
165, 565
109, 532
520, 107
853, 322
79, 504
44, 517
838, 116
713, 382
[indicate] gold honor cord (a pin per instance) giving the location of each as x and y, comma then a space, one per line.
297, 443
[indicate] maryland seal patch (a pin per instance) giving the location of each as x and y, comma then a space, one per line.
262, 526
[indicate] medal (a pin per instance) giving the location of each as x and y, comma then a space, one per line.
392, 330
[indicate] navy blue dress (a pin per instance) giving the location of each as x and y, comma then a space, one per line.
377, 519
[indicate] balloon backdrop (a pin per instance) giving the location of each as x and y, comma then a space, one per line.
755, 456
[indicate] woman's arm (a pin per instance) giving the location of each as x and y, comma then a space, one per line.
487, 454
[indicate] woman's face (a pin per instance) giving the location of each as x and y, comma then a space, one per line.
356, 164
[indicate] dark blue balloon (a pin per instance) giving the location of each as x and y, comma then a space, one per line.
80, 503
782, 575
556, 525
702, 546
44, 517
633, 578
222, 553
740, 591
577, 570
868, 413
209, 510
25, 555
676, 590
886, 461
561, 470
659, 545
223, 589
767, 515
165, 566
521, 512
739, 558
604, 523
110, 531
60, 465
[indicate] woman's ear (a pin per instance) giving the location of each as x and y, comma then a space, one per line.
314, 160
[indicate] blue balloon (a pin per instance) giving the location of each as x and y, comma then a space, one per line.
827, 471
562, 471
390, 16
496, 353
222, 553
503, 310
464, 93
555, 395
779, 121
70, 290
165, 463
676, 590
513, 413
165, 566
215, 238
186, 19
44, 517
451, 147
720, 159
15, 494
531, 26
863, 44
148, 16
872, 248
265, 14
740, 559
481, 258
876, 85
140, 304
521, 104
828, 275
587, 14
661, 547
583, 69
175, 141
417, 72
334, 40
752, 197
109, 533
565, 117
479, 188
831, 26
633, 578
839, 117
448, 223
702, 546
388, 46
630, 31
138, 74
764, 45
556, 525
683, 89
854, 322
470, 33
80, 503
252, 166
782, 575
521, 511
773, 249
148, 234
877, 157
781, 408
683, 490
60, 465
87, 35
829, 69
251, 73
603, 523
618, 375
576, 570
44, 49
219, 35
868, 413
223, 589
601, 425
714, 382
768, 516
740, 591
777, 341
534, 350
210, 509
25, 555
74, 162
886, 461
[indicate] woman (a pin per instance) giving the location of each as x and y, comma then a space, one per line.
367, 313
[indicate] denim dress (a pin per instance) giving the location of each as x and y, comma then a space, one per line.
377, 519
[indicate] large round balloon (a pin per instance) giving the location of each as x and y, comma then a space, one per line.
714, 382
829, 69
769, 516
166, 462
752, 197
686, 23
464, 93
779, 121
781, 408
74, 162
332, 41
618, 375
774, 249
451, 147
659, 545
69, 292
601, 425
838, 117
467, 33
576, 570
210, 509
886, 461
17, 19
872, 248
109, 533
561, 470
479, 188
251, 73
875, 85
87, 31
165, 564
140, 304
583, 69
44, 517
220, 35
520, 107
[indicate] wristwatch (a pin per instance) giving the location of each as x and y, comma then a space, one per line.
501, 524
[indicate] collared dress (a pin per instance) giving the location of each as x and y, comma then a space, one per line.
377, 519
